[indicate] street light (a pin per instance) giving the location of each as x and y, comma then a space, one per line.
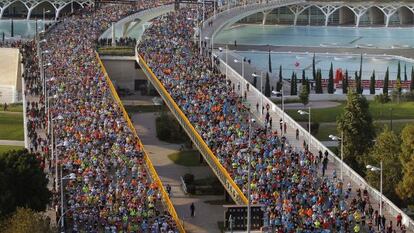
247, 150
71, 176
336, 138
376, 169
301, 112
283, 103
44, 12
242, 64
261, 89
60, 117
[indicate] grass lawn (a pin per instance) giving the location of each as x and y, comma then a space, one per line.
4, 149
325, 129
13, 107
11, 125
188, 158
379, 112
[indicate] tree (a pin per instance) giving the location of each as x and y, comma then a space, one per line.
358, 82
386, 80
412, 79
345, 82
318, 82
304, 93
26, 220
407, 144
398, 81
372, 84
405, 186
23, 181
303, 77
279, 84
270, 62
356, 124
267, 86
386, 149
292, 84
313, 68
331, 80
405, 73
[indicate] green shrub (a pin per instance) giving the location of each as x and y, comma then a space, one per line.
191, 189
382, 98
188, 178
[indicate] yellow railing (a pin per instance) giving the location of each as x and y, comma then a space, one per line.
151, 169
224, 177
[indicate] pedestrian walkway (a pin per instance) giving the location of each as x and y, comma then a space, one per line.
207, 216
11, 143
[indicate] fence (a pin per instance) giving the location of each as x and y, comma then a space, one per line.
208, 155
317, 145
167, 202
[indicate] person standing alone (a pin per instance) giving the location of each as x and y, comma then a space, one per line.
192, 209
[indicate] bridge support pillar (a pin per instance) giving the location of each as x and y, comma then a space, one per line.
1, 12
113, 35
29, 12
388, 10
265, 14
359, 11
328, 10
297, 10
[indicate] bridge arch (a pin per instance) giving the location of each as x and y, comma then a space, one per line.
403, 16
47, 7
344, 15
313, 15
14, 9
373, 16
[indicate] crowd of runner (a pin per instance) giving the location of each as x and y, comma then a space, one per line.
112, 191
286, 180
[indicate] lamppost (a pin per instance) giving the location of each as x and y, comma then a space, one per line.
71, 176
249, 158
44, 17
44, 80
336, 138
301, 112
283, 103
376, 169
60, 117
242, 64
261, 89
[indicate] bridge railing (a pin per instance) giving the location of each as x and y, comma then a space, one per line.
166, 200
218, 169
317, 145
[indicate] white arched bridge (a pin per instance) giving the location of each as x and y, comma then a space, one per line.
29, 5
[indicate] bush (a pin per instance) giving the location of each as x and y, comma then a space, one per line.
188, 178
382, 98
314, 127
191, 189
168, 129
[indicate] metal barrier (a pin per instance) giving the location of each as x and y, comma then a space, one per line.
167, 202
317, 145
218, 169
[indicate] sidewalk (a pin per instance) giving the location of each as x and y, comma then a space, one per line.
11, 143
207, 215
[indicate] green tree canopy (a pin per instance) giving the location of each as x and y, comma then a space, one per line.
26, 221
405, 188
23, 182
267, 86
386, 80
386, 149
372, 84
357, 127
345, 83
331, 80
